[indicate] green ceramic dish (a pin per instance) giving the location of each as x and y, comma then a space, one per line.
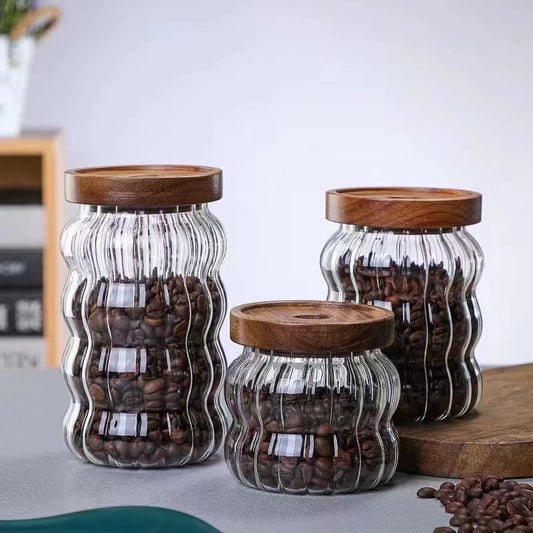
114, 520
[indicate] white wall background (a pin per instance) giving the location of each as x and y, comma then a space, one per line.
293, 98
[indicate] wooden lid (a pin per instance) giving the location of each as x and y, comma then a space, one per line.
311, 327
143, 185
404, 207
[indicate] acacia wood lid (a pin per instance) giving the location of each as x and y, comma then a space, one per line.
404, 207
143, 185
311, 327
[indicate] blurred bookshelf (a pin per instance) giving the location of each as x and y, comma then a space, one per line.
31, 269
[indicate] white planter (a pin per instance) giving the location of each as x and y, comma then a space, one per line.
16, 58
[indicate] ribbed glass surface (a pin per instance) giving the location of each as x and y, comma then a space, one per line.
428, 279
144, 304
319, 425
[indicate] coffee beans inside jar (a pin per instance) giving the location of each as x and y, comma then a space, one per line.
144, 364
426, 275
310, 423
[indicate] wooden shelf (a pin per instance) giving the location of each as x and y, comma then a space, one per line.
32, 165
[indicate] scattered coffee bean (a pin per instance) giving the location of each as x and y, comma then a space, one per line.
426, 492
454, 506
485, 504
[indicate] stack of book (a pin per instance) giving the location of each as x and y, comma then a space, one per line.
22, 343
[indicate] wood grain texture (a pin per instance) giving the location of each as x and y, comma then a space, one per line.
46, 147
498, 440
311, 327
404, 207
144, 185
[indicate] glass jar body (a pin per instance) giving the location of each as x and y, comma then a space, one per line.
318, 425
144, 305
428, 279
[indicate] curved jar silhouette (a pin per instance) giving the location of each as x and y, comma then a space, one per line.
408, 250
312, 418
144, 305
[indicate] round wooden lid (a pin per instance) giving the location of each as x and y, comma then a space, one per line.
404, 207
311, 327
143, 185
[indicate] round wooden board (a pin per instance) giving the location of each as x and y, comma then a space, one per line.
497, 440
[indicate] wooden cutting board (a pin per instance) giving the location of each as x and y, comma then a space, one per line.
496, 440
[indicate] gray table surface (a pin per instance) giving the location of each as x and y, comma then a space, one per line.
39, 477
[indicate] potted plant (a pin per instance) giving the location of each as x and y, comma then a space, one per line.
22, 23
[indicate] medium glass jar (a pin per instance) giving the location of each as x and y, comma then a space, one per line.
311, 398
144, 305
408, 250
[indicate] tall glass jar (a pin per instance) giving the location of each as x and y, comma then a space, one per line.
144, 305
408, 250
311, 398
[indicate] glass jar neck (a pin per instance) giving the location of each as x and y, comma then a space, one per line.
295, 355
86, 209
351, 228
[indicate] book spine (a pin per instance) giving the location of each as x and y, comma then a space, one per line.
22, 352
21, 312
21, 268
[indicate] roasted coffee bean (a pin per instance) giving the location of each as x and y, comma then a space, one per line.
426, 492
495, 525
337, 450
435, 317
458, 519
502, 505
324, 446
443, 530
447, 486
518, 520
453, 507
149, 366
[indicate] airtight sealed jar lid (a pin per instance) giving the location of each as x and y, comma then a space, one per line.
144, 185
312, 327
404, 207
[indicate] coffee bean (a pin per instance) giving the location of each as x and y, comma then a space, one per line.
97, 392
502, 505
434, 316
458, 519
474, 492
443, 530
453, 507
518, 519
495, 525
447, 486
161, 372
323, 430
426, 492
154, 386
323, 446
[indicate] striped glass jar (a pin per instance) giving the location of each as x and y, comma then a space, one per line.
144, 305
408, 250
311, 398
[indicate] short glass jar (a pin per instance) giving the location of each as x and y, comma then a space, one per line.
144, 305
408, 250
311, 398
